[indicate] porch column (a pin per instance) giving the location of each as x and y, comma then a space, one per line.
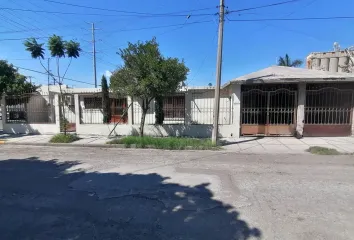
236, 110
57, 112
130, 110
3, 113
188, 108
300, 116
77, 113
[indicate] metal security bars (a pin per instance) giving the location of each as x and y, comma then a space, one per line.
91, 111
173, 109
329, 106
268, 112
67, 112
31, 107
202, 108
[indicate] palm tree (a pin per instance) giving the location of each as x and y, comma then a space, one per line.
287, 62
58, 49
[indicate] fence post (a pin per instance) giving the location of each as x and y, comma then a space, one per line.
188, 108
236, 110
300, 116
3, 113
57, 111
77, 113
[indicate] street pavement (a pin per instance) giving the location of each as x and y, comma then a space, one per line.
99, 193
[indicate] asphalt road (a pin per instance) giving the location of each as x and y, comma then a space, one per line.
91, 193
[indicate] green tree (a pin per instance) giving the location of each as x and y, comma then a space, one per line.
146, 74
12, 82
106, 108
58, 49
287, 62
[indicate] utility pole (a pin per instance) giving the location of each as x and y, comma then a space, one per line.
218, 73
94, 53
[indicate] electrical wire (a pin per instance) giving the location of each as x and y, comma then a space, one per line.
120, 11
69, 79
263, 6
107, 15
291, 19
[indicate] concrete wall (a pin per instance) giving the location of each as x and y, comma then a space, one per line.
35, 128
202, 107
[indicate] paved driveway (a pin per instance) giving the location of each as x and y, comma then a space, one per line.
91, 193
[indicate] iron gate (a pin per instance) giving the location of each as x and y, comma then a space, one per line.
67, 113
268, 112
328, 112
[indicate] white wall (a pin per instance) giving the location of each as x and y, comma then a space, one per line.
202, 107
137, 112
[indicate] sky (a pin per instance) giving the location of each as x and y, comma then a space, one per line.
186, 29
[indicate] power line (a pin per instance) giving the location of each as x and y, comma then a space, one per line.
120, 11
70, 79
291, 19
107, 15
154, 27
263, 6
18, 39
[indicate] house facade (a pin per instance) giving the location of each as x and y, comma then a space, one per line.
276, 101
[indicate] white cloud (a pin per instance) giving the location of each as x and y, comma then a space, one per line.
108, 73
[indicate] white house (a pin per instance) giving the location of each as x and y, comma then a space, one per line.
276, 101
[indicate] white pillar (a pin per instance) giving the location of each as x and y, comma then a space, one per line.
236, 110
188, 108
130, 110
77, 113
57, 112
3, 113
300, 116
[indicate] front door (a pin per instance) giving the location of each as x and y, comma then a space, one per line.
268, 113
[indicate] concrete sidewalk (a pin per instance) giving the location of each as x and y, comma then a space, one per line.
287, 144
257, 145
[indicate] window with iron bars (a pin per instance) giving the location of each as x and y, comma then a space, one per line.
174, 107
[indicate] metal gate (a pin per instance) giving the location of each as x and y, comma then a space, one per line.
67, 113
269, 113
328, 112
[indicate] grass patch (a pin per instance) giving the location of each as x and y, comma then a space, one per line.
171, 143
323, 151
62, 138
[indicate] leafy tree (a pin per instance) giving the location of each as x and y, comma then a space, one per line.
287, 62
146, 74
12, 82
58, 49
105, 100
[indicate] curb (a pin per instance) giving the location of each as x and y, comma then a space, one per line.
66, 145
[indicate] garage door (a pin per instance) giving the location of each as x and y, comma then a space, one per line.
328, 112
268, 113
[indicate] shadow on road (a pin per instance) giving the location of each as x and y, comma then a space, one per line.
52, 200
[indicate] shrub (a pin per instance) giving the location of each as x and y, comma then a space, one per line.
323, 151
62, 138
171, 143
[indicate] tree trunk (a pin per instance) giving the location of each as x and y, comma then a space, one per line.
145, 108
142, 122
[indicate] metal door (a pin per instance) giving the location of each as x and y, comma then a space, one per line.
328, 112
268, 113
